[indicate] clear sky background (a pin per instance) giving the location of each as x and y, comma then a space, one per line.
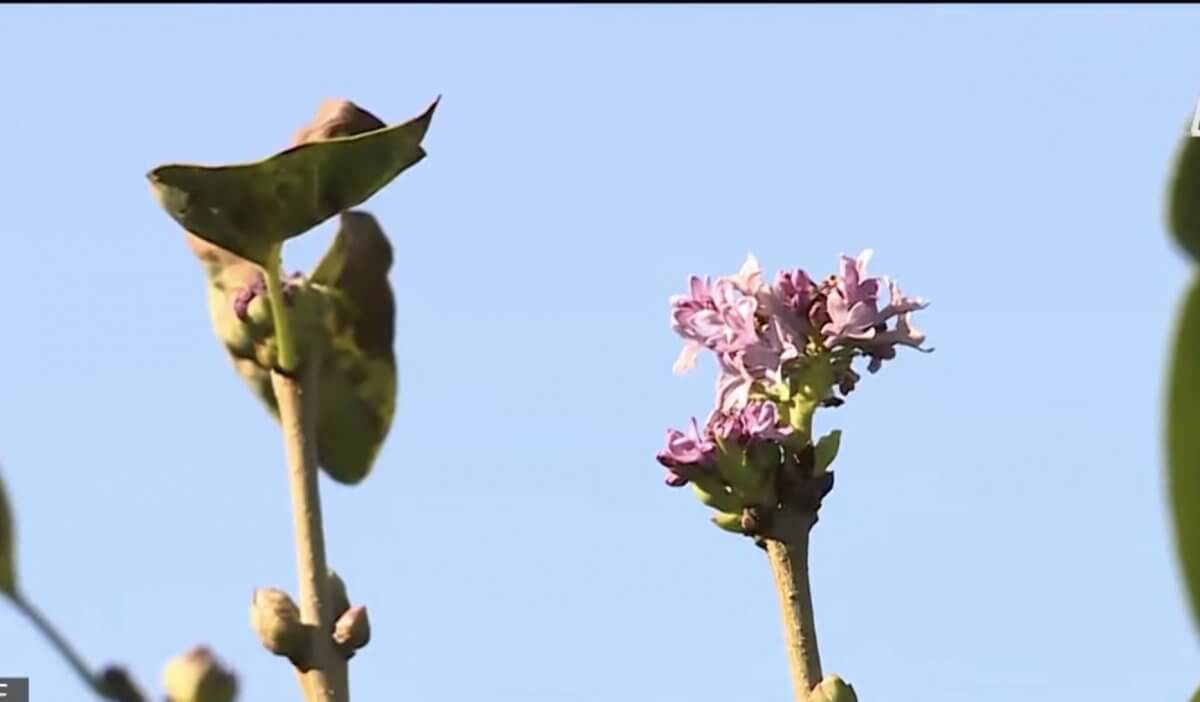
998, 529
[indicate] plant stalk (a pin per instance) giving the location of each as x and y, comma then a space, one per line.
787, 550
286, 344
325, 677
56, 639
64, 649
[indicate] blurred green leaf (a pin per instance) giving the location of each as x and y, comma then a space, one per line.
248, 209
8, 568
1184, 207
1183, 442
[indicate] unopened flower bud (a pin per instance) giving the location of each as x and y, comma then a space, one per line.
338, 599
352, 630
115, 684
833, 689
241, 304
337, 118
276, 620
196, 676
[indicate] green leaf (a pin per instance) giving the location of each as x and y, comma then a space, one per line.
359, 381
8, 568
347, 312
1184, 206
1183, 443
826, 450
249, 208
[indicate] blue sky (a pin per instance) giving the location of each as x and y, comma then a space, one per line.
998, 528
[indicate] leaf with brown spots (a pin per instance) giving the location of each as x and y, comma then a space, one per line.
249, 209
358, 375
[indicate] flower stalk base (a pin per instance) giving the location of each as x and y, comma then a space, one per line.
787, 551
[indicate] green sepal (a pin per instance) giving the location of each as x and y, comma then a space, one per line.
712, 492
730, 522
737, 469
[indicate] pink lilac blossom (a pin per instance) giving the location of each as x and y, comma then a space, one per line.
758, 420
757, 331
690, 454
687, 455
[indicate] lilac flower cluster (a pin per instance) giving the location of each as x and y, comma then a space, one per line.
241, 304
766, 336
688, 455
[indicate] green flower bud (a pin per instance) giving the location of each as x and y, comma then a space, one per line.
352, 630
339, 600
115, 683
276, 620
196, 676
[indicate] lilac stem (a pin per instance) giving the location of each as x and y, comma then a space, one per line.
787, 550
326, 680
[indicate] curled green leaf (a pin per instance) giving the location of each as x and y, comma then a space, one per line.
343, 313
359, 381
8, 568
248, 209
1183, 443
